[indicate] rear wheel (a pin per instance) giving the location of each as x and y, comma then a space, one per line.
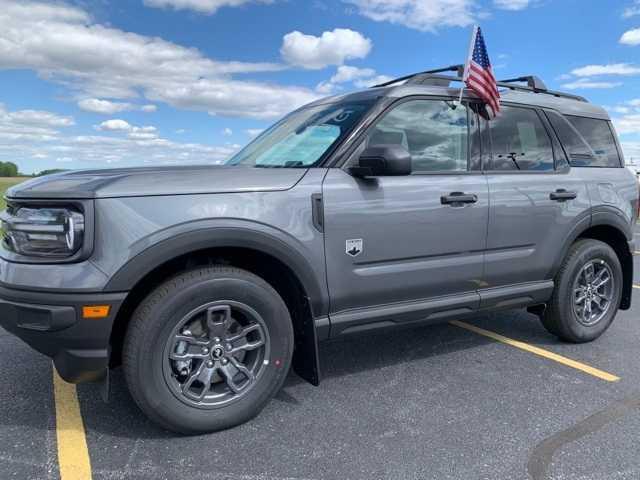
208, 349
587, 293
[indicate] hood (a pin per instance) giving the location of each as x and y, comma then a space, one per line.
147, 181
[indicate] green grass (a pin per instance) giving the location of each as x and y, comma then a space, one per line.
5, 183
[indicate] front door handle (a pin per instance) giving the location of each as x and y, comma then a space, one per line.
458, 197
561, 195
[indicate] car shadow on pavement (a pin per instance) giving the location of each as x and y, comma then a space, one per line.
349, 355
342, 357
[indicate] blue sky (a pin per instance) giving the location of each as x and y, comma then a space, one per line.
98, 83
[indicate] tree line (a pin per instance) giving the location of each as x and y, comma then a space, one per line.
10, 169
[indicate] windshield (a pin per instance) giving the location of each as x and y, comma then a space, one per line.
302, 138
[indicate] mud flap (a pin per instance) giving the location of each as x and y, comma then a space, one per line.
105, 387
306, 361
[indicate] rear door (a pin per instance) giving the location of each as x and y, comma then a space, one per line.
536, 200
401, 248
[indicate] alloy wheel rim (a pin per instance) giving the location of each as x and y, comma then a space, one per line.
593, 291
216, 354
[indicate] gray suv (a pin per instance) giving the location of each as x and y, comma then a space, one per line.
393, 206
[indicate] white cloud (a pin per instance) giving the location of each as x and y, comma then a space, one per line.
628, 121
370, 82
511, 4
586, 83
620, 109
626, 117
227, 132
114, 125
628, 124
135, 133
107, 107
104, 107
63, 44
331, 48
40, 118
631, 37
610, 69
31, 125
359, 77
143, 133
632, 10
28, 137
202, 6
425, 15
346, 73
101, 151
254, 132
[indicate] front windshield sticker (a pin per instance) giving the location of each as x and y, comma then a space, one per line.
300, 148
302, 138
342, 116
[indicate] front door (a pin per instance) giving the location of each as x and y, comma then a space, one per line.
403, 248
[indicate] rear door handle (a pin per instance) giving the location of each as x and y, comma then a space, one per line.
458, 197
561, 195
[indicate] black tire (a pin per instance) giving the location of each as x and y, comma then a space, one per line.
154, 324
560, 317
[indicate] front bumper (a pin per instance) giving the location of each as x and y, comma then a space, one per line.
52, 324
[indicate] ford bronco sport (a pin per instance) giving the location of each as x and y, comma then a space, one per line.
397, 205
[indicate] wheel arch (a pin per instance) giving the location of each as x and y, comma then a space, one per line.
610, 226
267, 255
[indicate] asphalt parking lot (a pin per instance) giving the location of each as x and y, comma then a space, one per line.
441, 402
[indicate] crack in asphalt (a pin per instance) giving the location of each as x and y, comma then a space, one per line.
542, 455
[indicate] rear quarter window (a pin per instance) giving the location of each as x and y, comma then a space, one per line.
599, 136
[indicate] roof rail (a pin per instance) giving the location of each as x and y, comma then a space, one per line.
532, 81
431, 77
459, 69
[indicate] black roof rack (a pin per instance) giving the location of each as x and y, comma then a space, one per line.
532, 81
431, 77
459, 69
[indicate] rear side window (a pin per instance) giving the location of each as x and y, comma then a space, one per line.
520, 141
577, 149
599, 136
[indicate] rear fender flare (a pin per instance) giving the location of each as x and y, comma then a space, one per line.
602, 216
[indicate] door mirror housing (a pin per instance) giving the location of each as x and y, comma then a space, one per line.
383, 160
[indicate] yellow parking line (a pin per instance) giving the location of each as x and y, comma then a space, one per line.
538, 351
636, 286
73, 454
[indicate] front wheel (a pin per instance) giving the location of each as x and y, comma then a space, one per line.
208, 349
587, 293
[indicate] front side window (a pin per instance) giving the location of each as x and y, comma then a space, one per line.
520, 141
434, 132
303, 138
599, 136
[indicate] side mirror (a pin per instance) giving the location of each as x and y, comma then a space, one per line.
383, 160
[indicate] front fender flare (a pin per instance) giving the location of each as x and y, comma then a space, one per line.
198, 237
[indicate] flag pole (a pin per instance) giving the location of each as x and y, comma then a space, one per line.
467, 63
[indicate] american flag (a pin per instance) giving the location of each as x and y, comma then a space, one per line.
478, 74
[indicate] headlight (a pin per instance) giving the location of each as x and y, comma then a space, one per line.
43, 232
